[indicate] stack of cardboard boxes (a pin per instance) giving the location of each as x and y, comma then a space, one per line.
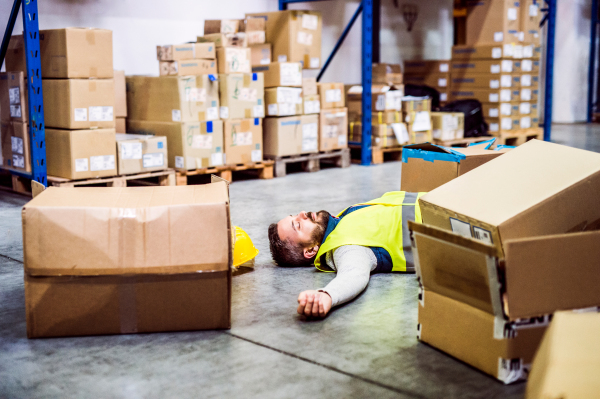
499, 64
432, 73
14, 135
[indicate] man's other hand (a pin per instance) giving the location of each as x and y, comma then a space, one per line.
314, 303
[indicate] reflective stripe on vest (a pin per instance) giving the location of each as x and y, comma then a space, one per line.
361, 227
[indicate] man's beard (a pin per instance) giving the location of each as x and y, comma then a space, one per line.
320, 219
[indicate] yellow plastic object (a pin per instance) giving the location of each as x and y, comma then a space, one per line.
243, 250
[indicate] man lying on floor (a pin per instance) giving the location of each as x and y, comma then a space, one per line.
364, 239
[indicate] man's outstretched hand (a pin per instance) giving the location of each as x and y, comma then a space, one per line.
314, 303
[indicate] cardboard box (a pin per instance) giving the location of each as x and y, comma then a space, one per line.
426, 67
191, 145
387, 74
486, 95
79, 103
377, 118
295, 36
333, 129
331, 95
487, 51
281, 74
260, 54
496, 21
309, 86
438, 81
14, 145
222, 26
448, 125
137, 153
525, 66
496, 67
256, 37
428, 166
13, 97
568, 359
120, 125
283, 101
243, 141
531, 16
81, 154
172, 99
466, 81
187, 67
503, 124
225, 39
524, 193
186, 51
242, 96
415, 104
234, 60
419, 126
120, 94
383, 98
291, 135
311, 104
67, 53
384, 135
251, 24
163, 265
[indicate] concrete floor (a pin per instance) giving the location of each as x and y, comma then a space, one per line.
367, 348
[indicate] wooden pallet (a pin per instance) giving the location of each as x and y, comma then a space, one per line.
464, 142
165, 178
519, 137
263, 168
312, 162
379, 154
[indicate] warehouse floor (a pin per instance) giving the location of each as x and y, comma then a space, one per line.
367, 348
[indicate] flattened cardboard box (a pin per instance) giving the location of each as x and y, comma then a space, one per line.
487, 95
488, 51
13, 97
440, 80
96, 260
483, 66
191, 145
137, 153
120, 94
173, 99
187, 51
14, 142
187, 67
468, 80
525, 66
281, 74
67, 53
79, 103
260, 54
243, 140
426, 67
291, 135
333, 129
242, 95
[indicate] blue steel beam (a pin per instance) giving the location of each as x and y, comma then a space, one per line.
9, 28
283, 3
551, 19
592, 65
367, 65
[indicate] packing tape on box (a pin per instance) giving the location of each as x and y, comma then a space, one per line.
486, 144
90, 37
247, 79
380, 117
93, 72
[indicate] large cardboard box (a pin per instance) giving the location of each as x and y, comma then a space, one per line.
79, 103
81, 154
539, 188
103, 260
466, 81
309, 86
14, 142
568, 359
496, 67
172, 99
291, 135
488, 51
238, 39
332, 95
387, 74
243, 140
426, 67
187, 51
311, 104
283, 101
260, 54
234, 60
67, 53
486, 95
187, 67
281, 74
333, 129
383, 98
13, 97
191, 145
295, 36
242, 95
448, 125
428, 166
493, 21
137, 153
120, 94
440, 81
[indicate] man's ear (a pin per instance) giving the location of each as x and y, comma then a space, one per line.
311, 252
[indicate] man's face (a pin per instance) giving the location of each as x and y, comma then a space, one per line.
305, 229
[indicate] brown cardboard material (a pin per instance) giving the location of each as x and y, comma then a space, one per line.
14, 142
495, 21
503, 124
13, 97
119, 275
138, 153
242, 95
531, 16
332, 95
121, 125
439, 81
67, 53
387, 74
309, 86
529, 80
191, 145
499, 110
253, 24
487, 95
295, 36
333, 129
79, 103
311, 104
283, 101
487, 51
530, 191
567, 361
281, 74
529, 94
382, 135
225, 39
243, 140
120, 94
527, 66
172, 99
448, 125
233, 60
260, 54
256, 37
383, 98
81, 154
291, 135
466, 81
377, 118
494, 67
187, 51
187, 67
426, 67
222, 26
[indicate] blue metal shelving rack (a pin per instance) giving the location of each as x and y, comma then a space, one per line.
550, 19
593, 80
37, 135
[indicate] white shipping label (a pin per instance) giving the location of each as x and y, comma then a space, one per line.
506, 81
507, 66
80, 114
195, 94
216, 159
422, 122
330, 131
493, 113
505, 95
526, 66
505, 109
212, 113
287, 109
282, 58
450, 122
272, 109
312, 107
256, 156
393, 100
224, 111
18, 161
526, 94
506, 123
380, 103
265, 61
310, 133
493, 97
153, 160
400, 132
310, 21
341, 140
291, 74
526, 80
442, 82
519, 51
494, 84
335, 95
315, 62
15, 111
14, 95
494, 127
511, 14
101, 114
16, 144
497, 52
525, 108
102, 162
460, 227
305, 38
258, 111
498, 36
242, 138
81, 165
248, 94
521, 36
482, 235
202, 141
179, 162
176, 115
495, 68
533, 10
508, 50
525, 122
443, 96
131, 150
289, 95
444, 67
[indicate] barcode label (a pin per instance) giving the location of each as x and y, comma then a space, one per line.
460, 227
482, 235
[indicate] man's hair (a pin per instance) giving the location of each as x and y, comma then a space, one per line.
285, 253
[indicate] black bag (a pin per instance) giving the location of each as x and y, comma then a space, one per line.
475, 124
423, 91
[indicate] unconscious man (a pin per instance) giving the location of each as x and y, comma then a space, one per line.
364, 239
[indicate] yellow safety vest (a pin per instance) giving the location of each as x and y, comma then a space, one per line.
383, 224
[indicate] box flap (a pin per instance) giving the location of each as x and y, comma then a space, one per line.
431, 152
550, 273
